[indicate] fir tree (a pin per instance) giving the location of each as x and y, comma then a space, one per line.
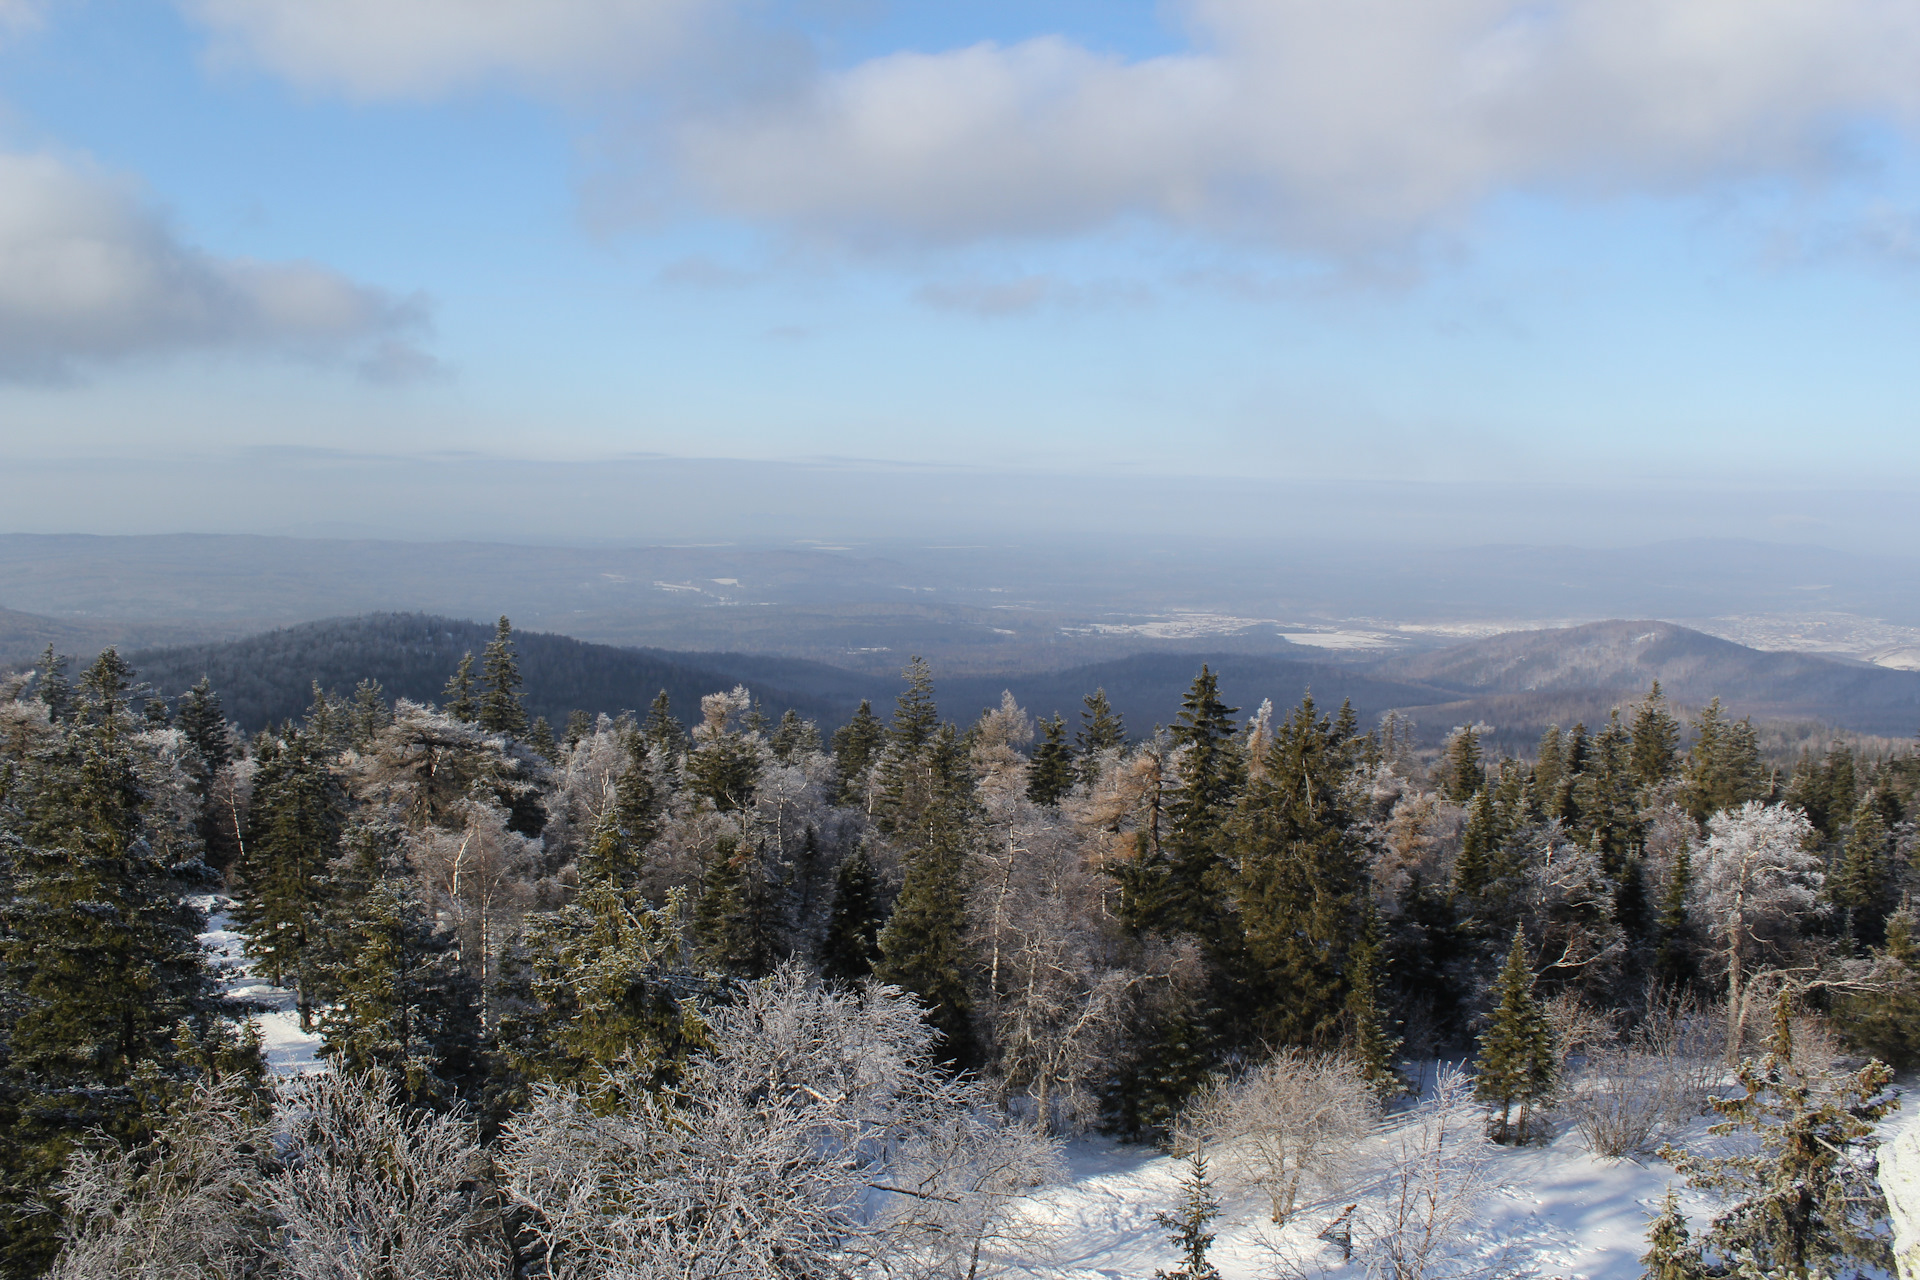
402, 1006
1302, 886
540, 741
924, 947
1517, 1067
1188, 1223
1369, 1031
370, 714
500, 709
1609, 819
915, 715
794, 739
1675, 957
851, 945
299, 812
732, 923
1474, 868
1050, 776
1864, 880
204, 723
51, 686
1805, 1202
666, 739
1549, 766
1175, 891
856, 745
1884, 1018
1100, 731
1656, 740
1670, 1254
103, 988
1461, 772
459, 692
579, 725
1723, 769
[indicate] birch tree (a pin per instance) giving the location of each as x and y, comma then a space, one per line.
1754, 873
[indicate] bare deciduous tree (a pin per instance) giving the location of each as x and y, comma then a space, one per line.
1288, 1122
1408, 1226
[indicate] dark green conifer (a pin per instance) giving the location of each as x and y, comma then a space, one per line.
1656, 740
1675, 960
1723, 769
293, 836
1607, 796
51, 686
1100, 731
732, 922
500, 709
1176, 891
540, 741
1369, 1024
1474, 868
851, 946
1517, 1067
1050, 775
1461, 771
401, 1004
1671, 1253
1883, 1019
1198, 1206
579, 725
794, 739
856, 745
370, 713
459, 692
1302, 886
1863, 885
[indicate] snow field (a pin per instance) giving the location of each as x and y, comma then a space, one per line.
289, 1050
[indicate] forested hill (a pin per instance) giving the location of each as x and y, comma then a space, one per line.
1576, 672
267, 678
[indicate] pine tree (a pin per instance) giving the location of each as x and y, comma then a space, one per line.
1670, 1254
1656, 740
856, 745
851, 945
1050, 776
1517, 1067
51, 686
402, 1006
294, 830
500, 709
1100, 731
1188, 1223
1474, 868
103, 990
459, 692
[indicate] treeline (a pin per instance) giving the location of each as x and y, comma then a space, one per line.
492, 916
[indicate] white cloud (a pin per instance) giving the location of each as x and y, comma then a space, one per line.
90, 273
1329, 124
423, 48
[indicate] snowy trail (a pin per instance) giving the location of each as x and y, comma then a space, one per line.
289, 1050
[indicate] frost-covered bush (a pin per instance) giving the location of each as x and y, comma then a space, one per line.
1290, 1122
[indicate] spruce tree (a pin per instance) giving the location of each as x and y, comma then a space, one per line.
370, 713
1609, 817
402, 1005
1461, 771
51, 686
1723, 769
1884, 1018
794, 739
1474, 868
294, 830
1369, 1025
1517, 1067
924, 947
500, 709
1176, 891
1302, 887
1549, 766
1050, 776
459, 692
1656, 740
1671, 1253
666, 735
1199, 1205
1675, 960
732, 924
1863, 884
104, 993
540, 741
856, 745
204, 723
579, 725
1100, 731
851, 945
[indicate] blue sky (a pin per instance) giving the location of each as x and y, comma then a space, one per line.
1597, 241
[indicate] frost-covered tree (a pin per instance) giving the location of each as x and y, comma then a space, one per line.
1754, 875
1187, 1223
500, 710
1288, 1123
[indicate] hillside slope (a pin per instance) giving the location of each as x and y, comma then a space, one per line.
1604, 662
269, 677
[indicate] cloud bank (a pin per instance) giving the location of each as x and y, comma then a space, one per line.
1324, 124
90, 274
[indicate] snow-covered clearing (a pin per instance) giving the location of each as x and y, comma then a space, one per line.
289, 1050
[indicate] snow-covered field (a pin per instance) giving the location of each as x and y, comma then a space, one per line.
290, 1051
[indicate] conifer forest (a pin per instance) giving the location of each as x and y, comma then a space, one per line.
706, 991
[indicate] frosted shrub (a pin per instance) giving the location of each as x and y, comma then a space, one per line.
1407, 1225
1290, 1122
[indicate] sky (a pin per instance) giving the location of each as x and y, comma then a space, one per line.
1627, 247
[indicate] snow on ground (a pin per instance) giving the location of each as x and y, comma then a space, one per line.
289, 1050
1552, 1212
